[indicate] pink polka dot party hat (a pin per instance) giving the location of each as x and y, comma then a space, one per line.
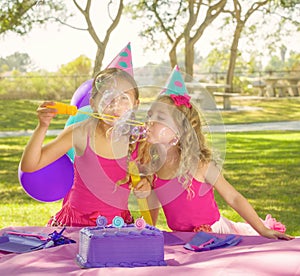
123, 60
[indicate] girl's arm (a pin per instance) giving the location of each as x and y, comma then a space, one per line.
144, 190
154, 206
37, 156
154, 215
244, 209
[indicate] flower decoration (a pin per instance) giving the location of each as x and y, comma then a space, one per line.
273, 224
181, 100
203, 228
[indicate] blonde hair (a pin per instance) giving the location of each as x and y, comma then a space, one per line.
189, 125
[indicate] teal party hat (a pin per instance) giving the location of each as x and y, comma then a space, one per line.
176, 89
175, 84
123, 60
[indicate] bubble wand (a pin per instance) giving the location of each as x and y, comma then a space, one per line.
142, 202
72, 110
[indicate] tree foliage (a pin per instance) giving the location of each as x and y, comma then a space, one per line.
241, 13
287, 3
248, 21
180, 21
44, 85
17, 61
80, 66
292, 63
20, 16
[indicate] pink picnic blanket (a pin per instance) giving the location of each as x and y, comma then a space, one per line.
252, 256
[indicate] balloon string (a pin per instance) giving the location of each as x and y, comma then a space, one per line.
111, 118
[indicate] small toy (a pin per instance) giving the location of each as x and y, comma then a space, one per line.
72, 110
101, 221
140, 223
118, 222
19, 242
54, 239
64, 108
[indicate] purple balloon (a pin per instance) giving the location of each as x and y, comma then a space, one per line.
81, 96
50, 183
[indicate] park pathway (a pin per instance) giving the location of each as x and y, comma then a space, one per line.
290, 125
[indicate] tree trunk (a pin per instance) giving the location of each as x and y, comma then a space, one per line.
189, 60
237, 34
101, 45
98, 60
233, 55
173, 57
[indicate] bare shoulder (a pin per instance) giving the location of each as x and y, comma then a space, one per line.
208, 172
201, 171
81, 128
70, 131
80, 133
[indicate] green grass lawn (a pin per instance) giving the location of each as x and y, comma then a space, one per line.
268, 110
263, 166
21, 114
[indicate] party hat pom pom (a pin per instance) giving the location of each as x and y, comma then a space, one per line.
140, 223
118, 222
101, 221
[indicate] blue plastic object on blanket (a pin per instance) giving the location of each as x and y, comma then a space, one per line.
203, 241
16, 242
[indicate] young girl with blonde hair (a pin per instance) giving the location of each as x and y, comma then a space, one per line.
185, 182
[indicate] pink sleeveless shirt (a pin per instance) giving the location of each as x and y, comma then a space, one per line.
95, 192
184, 213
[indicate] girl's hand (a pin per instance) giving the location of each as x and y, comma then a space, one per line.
143, 188
272, 234
45, 114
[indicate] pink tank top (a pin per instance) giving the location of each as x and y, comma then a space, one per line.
182, 213
95, 192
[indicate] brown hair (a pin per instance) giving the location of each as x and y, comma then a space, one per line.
105, 78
